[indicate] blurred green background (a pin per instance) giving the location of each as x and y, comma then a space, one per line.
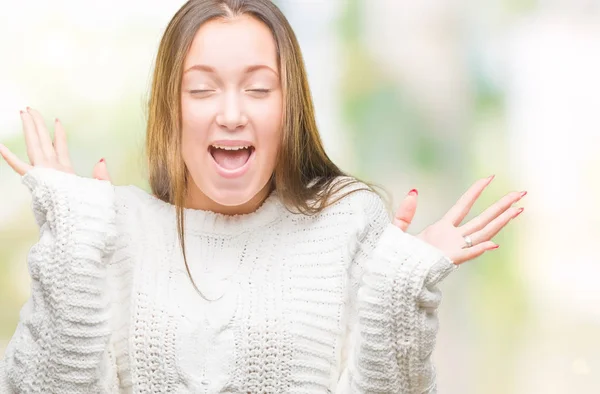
410, 94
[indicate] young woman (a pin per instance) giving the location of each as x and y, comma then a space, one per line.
256, 266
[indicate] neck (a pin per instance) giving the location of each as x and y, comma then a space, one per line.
198, 200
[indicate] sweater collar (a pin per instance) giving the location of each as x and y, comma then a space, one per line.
205, 221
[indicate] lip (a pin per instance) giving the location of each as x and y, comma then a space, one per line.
238, 172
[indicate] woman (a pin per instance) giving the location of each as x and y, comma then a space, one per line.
256, 266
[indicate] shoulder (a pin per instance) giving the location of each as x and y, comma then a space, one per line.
363, 202
139, 216
130, 199
354, 208
136, 207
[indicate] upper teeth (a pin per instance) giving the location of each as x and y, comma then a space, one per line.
230, 147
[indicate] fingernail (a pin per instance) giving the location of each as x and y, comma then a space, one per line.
519, 212
56, 120
413, 192
21, 111
523, 194
494, 247
489, 179
28, 108
101, 160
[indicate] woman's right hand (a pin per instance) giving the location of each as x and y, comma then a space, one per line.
42, 151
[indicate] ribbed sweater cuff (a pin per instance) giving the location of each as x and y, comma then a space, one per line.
399, 259
55, 193
392, 306
68, 272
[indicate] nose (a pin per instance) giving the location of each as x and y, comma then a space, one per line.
231, 114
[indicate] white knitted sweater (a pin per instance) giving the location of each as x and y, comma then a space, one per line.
339, 302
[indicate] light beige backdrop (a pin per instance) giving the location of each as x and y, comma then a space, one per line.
423, 94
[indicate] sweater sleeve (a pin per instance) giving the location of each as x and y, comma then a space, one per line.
390, 341
61, 343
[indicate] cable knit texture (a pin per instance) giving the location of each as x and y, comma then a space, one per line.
339, 302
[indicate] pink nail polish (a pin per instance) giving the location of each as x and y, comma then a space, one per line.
491, 177
523, 194
494, 247
413, 192
519, 212
101, 160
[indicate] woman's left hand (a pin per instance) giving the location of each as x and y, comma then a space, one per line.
449, 236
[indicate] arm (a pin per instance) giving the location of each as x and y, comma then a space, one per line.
390, 341
61, 341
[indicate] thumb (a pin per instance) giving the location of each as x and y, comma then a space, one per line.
406, 212
100, 171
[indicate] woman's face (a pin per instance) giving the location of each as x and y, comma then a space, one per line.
232, 106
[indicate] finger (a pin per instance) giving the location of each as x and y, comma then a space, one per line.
457, 213
60, 144
100, 171
472, 253
491, 213
494, 227
13, 161
406, 212
34, 149
43, 134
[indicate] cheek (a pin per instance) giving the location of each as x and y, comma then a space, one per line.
194, 134
195, 123
268, 125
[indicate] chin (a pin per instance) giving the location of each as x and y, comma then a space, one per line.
234, 192
231, 197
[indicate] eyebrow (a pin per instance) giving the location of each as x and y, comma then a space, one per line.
248, 70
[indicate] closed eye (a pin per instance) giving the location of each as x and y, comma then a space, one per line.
259, 93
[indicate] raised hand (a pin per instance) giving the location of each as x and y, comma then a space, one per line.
462, 243
42, 151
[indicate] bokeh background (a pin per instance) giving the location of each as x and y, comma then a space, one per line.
430, 94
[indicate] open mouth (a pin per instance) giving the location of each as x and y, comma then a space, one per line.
231, 158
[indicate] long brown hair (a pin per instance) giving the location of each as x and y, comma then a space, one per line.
304, 177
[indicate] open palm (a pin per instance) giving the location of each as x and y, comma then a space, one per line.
43, 151
448, 235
